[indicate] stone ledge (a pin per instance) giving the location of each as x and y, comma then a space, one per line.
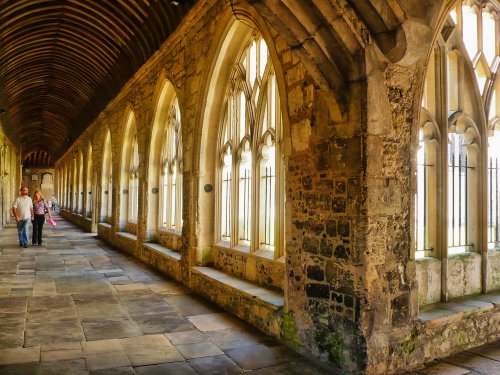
256, 305
272, 299
163, 250
127, 235
161, 258
447, 312
104, 225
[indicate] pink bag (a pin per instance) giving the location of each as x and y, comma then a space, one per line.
52, 222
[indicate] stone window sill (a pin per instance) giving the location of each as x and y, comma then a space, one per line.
445, 312
264, 255
172, 232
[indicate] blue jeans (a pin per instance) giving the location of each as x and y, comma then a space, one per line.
23, 228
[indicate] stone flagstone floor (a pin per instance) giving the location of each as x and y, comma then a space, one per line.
76, 306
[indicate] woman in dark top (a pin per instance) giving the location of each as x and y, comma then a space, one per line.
39, 206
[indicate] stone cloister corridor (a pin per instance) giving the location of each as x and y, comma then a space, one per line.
257, 186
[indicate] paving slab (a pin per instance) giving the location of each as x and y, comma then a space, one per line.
107, 360
11, 334
198, 350
187, 337
213, 322
71, 366
215, 365
150, 350
53, 332
161, 323
19, 355
109, 329
191, 305
177, 368
89, 283
254, 357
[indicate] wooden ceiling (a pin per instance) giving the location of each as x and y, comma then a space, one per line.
39, 159
62, 61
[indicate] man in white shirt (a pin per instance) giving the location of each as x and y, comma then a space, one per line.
22, 208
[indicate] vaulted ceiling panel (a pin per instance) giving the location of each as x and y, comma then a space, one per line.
62, 61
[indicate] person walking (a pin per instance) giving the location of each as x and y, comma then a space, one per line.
40, 208
22, 208
54, 203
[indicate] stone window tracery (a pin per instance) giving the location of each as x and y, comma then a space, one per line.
456, 184
425, 198
171, 171
494, 190
133, 182
459, 181
89, 196
249, 154
107, 181
74, 185
79, 187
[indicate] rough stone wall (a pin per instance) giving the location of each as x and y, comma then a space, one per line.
323, 188
464, 275
494, 270
390, 281
429, 281
169, 239
47, 190
263, 271
80, 220
160, 262
440, 340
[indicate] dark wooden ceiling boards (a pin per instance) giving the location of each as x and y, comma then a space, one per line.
62, 61
38, 159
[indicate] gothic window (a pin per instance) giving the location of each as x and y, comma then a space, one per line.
494, 191
425, 199
171, 176
494, 168
68, 188
74, 186
456, 217
65, 187
79, 189
250, 161
89, 195
129, 176
458, 195
133, 187
107, 181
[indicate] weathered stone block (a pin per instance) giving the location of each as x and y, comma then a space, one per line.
318, 291
315, 273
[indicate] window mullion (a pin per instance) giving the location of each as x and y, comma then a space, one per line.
235, 186
497, 210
